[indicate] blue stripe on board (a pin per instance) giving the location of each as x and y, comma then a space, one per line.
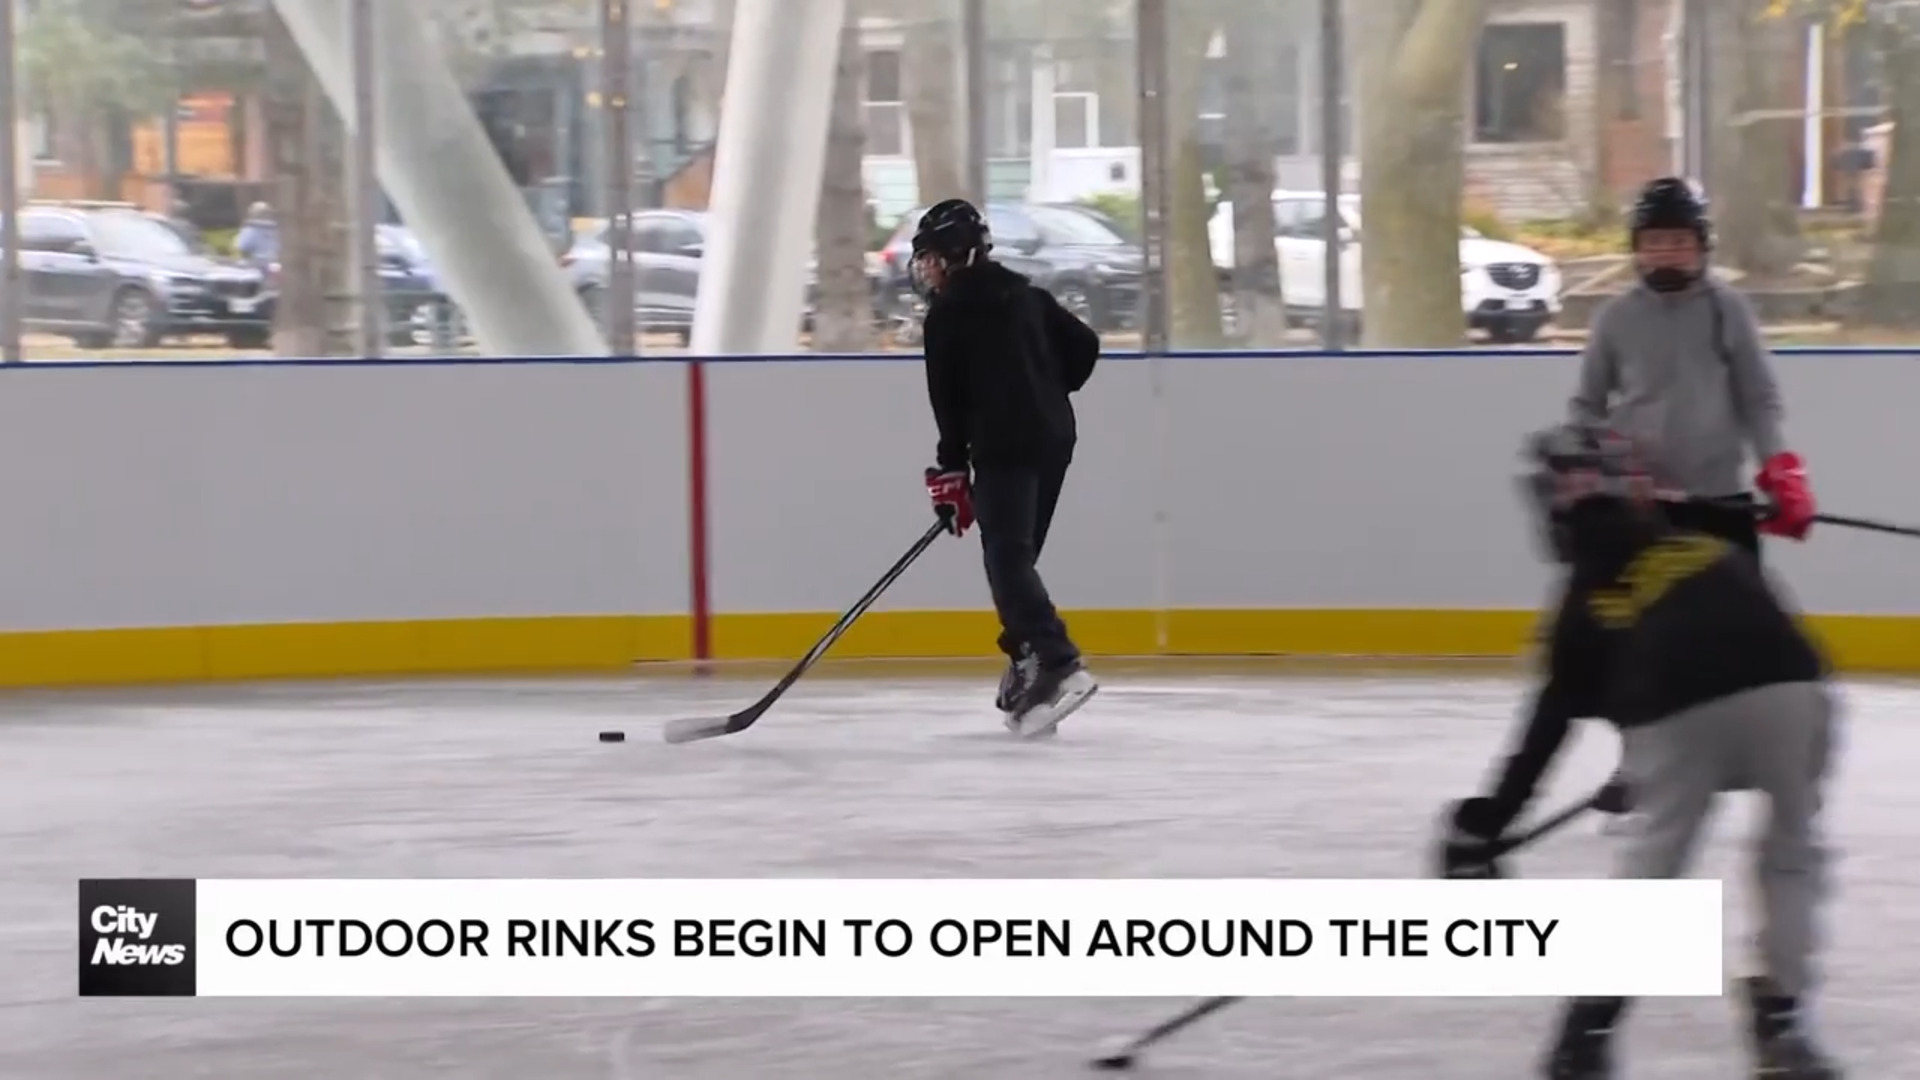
873, 358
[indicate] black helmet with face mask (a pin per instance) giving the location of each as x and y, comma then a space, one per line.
1671, 204
952, 234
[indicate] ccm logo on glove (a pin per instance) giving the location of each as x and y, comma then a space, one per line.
1783, 479
952, 498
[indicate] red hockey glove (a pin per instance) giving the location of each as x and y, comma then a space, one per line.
952, 499
1783, 479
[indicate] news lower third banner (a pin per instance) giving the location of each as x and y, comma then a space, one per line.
891, 938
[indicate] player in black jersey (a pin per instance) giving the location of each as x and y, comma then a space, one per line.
1003, 358
1677, 638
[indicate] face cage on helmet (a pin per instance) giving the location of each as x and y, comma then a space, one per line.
916, 273
916, 270
1551, 495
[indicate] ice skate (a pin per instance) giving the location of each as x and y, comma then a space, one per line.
1019, 675
1782, 1047
1584, 1050
1053, 696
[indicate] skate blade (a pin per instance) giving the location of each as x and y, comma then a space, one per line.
1620, 825
1012, 723
1045, 721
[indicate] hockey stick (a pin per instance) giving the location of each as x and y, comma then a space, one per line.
1866, 525
1764, 511
1121, 1056
1550, 826
708, 727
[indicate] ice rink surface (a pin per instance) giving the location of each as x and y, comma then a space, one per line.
859, 773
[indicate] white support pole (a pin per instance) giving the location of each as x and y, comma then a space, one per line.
1040, 181
769, 161
11, 281
447, 182
1813, 193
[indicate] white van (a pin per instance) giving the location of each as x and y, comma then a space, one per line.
1507, 290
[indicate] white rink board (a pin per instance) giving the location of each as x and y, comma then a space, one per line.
217, 494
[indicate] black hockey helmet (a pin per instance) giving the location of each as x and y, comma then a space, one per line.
1576, 464
1671, 202
954, 230
950, 234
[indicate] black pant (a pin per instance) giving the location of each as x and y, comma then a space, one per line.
1014, 506
1730, 520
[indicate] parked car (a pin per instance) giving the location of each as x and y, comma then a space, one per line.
1126, 230
669, 247
417, 308
1507, 290
1091, 269
110, 275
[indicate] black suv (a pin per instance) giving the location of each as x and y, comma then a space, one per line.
1087, 266
109, 275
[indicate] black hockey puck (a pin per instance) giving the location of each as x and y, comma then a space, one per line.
613, 736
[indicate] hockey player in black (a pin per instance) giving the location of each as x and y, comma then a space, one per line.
1678, 639
1002, 357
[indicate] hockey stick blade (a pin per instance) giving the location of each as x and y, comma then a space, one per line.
694, 729
1122, 1055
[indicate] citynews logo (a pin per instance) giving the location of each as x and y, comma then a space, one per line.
118, 950
136, 938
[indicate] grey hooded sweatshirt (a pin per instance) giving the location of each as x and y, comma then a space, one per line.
1689, 373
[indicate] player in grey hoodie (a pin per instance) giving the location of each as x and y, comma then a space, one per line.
1678, 363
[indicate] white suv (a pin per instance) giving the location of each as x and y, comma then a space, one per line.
1507, 290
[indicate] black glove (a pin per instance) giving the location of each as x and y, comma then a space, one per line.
1471, 843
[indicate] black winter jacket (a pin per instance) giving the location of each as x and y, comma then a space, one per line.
1002, 356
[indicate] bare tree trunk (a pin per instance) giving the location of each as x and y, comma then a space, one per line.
1414, 61
306, 186
936, 109
1892, 295
300, 311
843, 301
723, 11
1193, 286
1613, 83
1252, 96
1751, 178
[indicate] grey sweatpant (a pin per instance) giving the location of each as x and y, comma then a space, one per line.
1777, 740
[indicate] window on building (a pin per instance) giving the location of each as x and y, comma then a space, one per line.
1520, 83
1010, 110
1083, 80
40, 137
1289, 79
885, 105
1076, 121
